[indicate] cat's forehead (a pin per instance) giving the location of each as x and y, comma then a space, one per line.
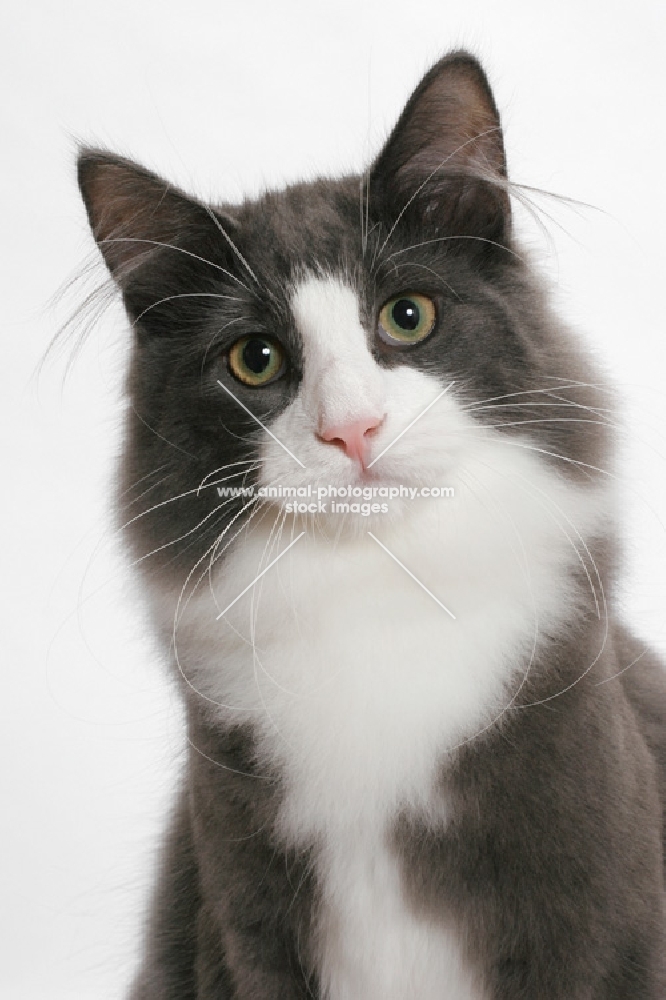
313, 227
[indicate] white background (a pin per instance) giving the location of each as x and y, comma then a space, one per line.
224, 98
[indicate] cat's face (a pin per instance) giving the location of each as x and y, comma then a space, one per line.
381, 331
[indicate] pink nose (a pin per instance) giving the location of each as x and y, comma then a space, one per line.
353, 437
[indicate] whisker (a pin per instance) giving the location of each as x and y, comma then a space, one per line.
446, 239
362, 212
223, 468
182, 607
549, 499
174, 541
440, 280
185, 295
254, 612
529, 392
263, 507
244, 774
179, 496
172, 444
614, 677
214, 338
566, 404
523, 682
606, 618
550, 420
188, 253
142, 479
509, 442
528, 580
231, 243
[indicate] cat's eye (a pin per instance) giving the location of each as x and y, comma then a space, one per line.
256, 360
406, 319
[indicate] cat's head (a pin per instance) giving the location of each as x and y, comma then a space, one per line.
375, 330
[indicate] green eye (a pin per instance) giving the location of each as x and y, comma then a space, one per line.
256, 360
407, 319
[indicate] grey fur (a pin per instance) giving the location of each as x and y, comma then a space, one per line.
552, 863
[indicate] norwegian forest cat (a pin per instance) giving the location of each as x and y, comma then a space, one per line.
425, 760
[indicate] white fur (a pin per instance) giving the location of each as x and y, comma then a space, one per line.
356, 681
341, 381
376, 949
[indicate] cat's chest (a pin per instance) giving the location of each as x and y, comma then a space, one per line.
338, 651
355, 681
357, 686
374, 945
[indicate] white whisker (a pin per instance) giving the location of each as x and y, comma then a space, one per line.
231, 243
171, 246
185, 295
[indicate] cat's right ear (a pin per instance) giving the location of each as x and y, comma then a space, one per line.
154, 239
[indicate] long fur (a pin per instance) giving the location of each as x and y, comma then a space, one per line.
425, 759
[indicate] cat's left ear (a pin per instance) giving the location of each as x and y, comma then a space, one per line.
443, 166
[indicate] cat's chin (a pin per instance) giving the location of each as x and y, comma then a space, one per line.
339, 524
353, 503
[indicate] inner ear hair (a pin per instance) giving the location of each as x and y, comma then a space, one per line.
447, 150
132, 211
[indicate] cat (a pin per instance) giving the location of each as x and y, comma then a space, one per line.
424, 757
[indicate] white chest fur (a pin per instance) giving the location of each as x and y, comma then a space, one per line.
357, 684
374, 946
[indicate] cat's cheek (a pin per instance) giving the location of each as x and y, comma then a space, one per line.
424, 435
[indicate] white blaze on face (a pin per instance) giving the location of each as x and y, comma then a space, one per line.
342, 382
348, 399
